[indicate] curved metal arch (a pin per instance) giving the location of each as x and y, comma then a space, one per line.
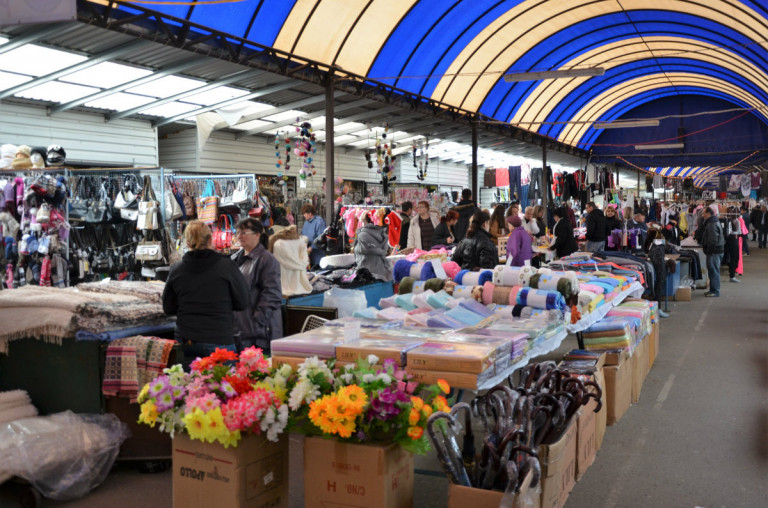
643, 98
594, 108
460, 64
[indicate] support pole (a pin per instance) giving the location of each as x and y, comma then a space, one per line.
544, 190
638, 183
473, 183
330, 170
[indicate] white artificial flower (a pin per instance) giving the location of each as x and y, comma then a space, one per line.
285, 370
347, 378
373, 359
369, 378
310, 363
282, 415
385, 377
348, 367
272, 434
304, 391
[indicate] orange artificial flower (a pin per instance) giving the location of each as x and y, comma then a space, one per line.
443, 385
223, 355
414, 417
441, 404
415, 432
417, 402
202, 364
427, 410
353, 396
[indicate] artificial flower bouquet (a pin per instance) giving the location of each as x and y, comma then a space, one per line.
364, 402
223, 397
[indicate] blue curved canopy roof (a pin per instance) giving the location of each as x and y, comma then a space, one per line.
457, 52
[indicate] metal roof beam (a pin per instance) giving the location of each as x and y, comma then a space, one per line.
237, 76
96, 59
314, 99
124, 86
277, 125
237, 100
35, 35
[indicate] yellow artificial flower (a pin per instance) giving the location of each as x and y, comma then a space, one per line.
230, 438
440, 404
143, 393
443, 385
148, 413
345, 427
215, 428
427, 410
196, 424
414, 416
417, 402
353, 396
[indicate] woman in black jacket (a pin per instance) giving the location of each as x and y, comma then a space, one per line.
477, 250
203, 290
443, 234
612, 222
565, 243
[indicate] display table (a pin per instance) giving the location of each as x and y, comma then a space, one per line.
635, 290
373, 293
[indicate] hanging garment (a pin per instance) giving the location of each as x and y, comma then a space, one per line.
525, 174
579, 176
591, 174
658, 181
754, 180
734, 183
489, 178
502, 178
746, 185
514, 180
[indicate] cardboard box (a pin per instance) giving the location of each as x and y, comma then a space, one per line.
615, 357
639, 364
461, 497
618, 391
601, 417
654, 343
384, 349
293, 361
558, 468
254, 475
586, 438
350, 475
456, 357
683, 295
455, 379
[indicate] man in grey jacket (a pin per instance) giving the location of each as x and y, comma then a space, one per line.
713, 243
263, 321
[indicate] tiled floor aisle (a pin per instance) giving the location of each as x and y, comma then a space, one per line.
698, 437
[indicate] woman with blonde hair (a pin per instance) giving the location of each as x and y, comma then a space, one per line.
203, 291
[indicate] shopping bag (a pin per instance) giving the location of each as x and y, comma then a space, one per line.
208, 204
224, 233
149, 207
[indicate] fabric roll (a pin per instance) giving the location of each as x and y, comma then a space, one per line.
459, 277
462, 292
421, 300
541, 299
439, 299
427, 272
471, 279
434, 285
451, 268
406, 285
507, 275
388, 302
402, 269
513, 295
405, 301
485, 276
419, 286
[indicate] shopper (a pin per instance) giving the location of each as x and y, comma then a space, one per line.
312, 229
529, 222
290, 250
595, 228
762, 227
371, 248
422, 227
514, 209
443, 234
538, 213
563, 243
754, 220
745, 237
406, 211
466, 208
263, 321
519, 243
612, 223
498, 224
477, 250
571, 215
656, 255
732, 233
713, 243
203, 290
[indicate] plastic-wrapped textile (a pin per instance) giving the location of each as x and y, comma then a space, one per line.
346, 300
541, 299
64, 455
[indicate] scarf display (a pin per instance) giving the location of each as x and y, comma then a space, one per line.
150, 291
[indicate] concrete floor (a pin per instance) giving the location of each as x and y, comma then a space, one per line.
698, 436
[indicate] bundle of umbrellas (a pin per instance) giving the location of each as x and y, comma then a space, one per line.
515, 420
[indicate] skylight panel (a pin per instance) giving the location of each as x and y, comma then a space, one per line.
166, 86
106, 75
170, 109
54, 91
288, 115
9, 80
37, 61
120, 101
253, 124
215, 96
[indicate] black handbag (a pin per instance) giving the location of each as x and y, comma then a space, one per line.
100, 209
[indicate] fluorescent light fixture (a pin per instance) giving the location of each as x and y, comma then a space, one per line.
621, 124
662, 146
563, 73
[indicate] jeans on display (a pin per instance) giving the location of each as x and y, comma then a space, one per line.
762, 236
193, 350
713, 269
514, 181
595, 246
535, 190
524, 196
732, 248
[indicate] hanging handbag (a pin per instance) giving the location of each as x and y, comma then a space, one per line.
148, 251
241, 196
126, 198
172, 209
224, 234
78, 205
227, 200
44, 214
189, 200
208, 204
149, 207
100, 210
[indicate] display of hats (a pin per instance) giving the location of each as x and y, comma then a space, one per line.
38, 157
7, 154
56, 155
21, 160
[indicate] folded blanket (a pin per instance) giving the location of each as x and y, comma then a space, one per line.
541, 299
151, 291
125, 357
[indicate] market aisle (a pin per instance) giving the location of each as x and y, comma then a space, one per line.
698, 436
